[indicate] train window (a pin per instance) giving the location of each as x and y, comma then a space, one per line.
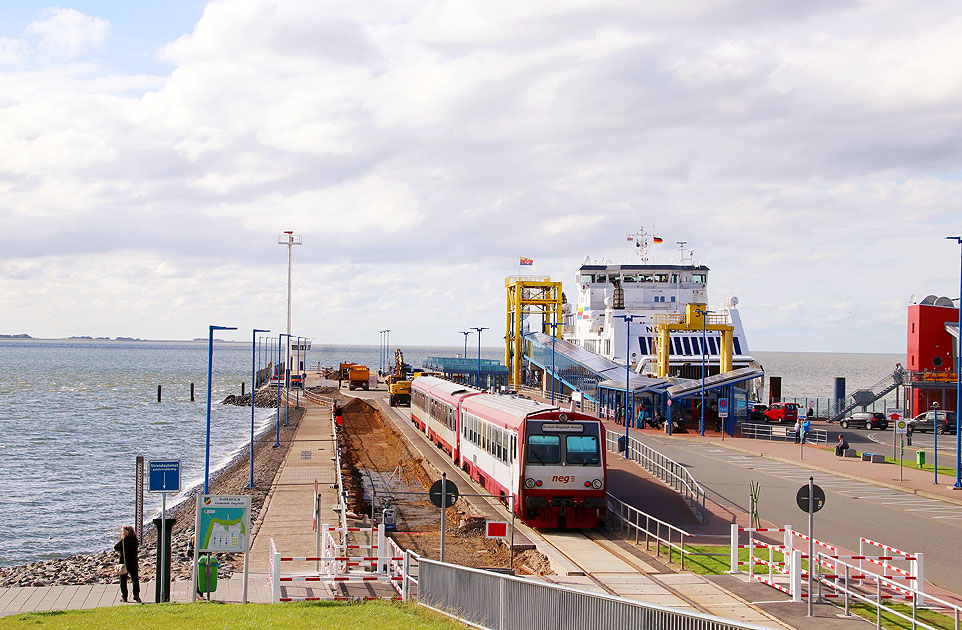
514, 447
582, 449
544, 449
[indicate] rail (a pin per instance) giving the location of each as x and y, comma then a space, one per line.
506, 602
654, 529
587, 406
666, 470
780, 433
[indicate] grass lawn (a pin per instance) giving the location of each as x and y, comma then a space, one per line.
892, 622
929, 466
293, 616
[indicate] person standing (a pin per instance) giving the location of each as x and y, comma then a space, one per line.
806, 427
127, 546
798, 430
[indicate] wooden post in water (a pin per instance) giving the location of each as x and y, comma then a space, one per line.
158, 393
242, 389
191, 392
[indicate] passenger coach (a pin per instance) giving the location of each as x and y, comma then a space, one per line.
434, 410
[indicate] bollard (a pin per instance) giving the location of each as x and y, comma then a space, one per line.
191, 392
158, 393
162, 572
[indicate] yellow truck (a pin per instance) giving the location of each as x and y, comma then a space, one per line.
359, 377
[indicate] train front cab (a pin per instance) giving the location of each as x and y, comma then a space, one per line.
563, 474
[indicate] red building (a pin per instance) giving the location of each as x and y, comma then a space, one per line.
932, 348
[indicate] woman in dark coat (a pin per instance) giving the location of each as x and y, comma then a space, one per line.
127, 546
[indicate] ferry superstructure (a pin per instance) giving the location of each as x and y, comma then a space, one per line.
608, 292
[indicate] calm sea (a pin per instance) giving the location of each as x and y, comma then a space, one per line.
75, 414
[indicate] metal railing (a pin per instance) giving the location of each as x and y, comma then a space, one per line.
666, 470
631, 519
587, 406
781, 433
505, 602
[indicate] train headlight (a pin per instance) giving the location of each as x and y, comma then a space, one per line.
597, 484
529, 483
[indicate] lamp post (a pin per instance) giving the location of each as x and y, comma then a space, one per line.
210, 374
465, 333
277, 418
253, 391
297, 389
380, 350
287, 382
935, 432
704, 348
479, 329
958, 385
290, 239
554, 328
628, 397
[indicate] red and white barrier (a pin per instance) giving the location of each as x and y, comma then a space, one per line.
914, 574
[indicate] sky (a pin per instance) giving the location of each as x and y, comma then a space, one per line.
809, 153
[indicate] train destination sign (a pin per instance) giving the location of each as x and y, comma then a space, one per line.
562, 427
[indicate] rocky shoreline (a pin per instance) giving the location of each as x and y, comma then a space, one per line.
97, 568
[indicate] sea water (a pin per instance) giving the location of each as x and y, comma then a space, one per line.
75, 415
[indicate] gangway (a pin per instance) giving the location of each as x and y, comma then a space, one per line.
864, 397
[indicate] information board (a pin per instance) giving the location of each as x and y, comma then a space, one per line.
897, 420
163, 475
223, 523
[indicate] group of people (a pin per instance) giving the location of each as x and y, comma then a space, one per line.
802, 427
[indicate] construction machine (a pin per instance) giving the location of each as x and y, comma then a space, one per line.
359, 377
398, 383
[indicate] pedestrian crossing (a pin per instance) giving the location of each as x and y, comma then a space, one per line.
910, 503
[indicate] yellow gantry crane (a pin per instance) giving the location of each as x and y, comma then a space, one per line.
528, 295
694, 319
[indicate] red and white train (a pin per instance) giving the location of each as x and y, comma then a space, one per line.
552, 462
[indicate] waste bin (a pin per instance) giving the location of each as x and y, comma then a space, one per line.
203, 564
920, 458
621, 444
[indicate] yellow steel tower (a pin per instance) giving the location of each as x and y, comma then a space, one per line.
694, 319
528, 295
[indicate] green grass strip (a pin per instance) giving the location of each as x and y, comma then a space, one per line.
288, 616
893, 622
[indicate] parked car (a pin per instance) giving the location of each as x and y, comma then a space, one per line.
782, 412
865, 420
756, 412
924, 422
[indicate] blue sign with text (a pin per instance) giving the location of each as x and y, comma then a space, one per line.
163, 475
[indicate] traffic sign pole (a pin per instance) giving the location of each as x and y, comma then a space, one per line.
811, 543
444, 505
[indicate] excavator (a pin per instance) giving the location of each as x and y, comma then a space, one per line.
398, 383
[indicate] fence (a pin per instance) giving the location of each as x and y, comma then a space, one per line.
781, 433
506, 602
666, 470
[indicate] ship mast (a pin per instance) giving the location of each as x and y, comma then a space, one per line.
641, 241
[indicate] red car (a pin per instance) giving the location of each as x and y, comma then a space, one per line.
782, 412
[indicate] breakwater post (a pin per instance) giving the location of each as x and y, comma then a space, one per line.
242, 389
191, 392
158, 393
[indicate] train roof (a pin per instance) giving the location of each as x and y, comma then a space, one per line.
437, 385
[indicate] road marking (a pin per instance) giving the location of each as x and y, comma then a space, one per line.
931, 509
958, 516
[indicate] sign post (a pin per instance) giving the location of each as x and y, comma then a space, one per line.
222, 524
443, 494
723, 414
163, 476
898, 437
810, 499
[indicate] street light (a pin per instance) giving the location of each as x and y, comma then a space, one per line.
290, 239
210, 374
958, 386
935, 431
465, 333
704, 348
479, 352
628, 410
297, 389
277, 422
253, 391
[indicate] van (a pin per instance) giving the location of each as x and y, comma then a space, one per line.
782, 412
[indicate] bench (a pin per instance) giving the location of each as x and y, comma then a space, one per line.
875, 458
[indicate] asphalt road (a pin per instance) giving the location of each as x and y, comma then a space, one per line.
852, 508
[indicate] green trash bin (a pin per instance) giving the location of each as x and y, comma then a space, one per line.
920, 458
207, 564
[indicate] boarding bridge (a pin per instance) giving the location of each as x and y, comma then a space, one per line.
864, 397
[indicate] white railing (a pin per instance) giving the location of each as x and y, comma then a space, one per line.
666, 470
781, 433
631, 519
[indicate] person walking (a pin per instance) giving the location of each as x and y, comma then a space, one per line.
127, 546
798, 430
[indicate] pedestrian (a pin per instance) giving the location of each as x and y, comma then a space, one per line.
811, 413
798, 430
127, 546
842, 446
806, 427
620, 417
642, 417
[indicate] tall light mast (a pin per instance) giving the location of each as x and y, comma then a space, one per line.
290, 239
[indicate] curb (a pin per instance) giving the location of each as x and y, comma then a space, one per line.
874, 482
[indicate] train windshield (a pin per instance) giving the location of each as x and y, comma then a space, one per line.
582, 449
544, 449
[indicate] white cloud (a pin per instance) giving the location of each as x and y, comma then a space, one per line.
67, 33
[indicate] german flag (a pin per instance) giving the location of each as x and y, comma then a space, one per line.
656, 239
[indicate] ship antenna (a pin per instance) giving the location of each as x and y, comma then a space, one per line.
640, 240
681, 251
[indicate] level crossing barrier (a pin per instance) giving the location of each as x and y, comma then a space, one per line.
915, 570
780, 433
666, 470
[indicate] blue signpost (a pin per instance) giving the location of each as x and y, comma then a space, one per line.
163, 476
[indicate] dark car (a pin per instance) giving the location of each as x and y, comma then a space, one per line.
865, 420
782, 412
756, 412
924, 422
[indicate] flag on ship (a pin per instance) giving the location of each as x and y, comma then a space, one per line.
631, 237
526, 261
656, 239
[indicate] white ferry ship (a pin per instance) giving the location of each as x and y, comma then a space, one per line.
607, 292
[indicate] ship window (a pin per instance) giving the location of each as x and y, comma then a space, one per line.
687, 343
712, 346
699, 277
628, 278
544, 449
587, 278
582, 449
601, 278
738, 346
674, 279
673, 298
661, 277
643, 344
644, 278
676, 345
